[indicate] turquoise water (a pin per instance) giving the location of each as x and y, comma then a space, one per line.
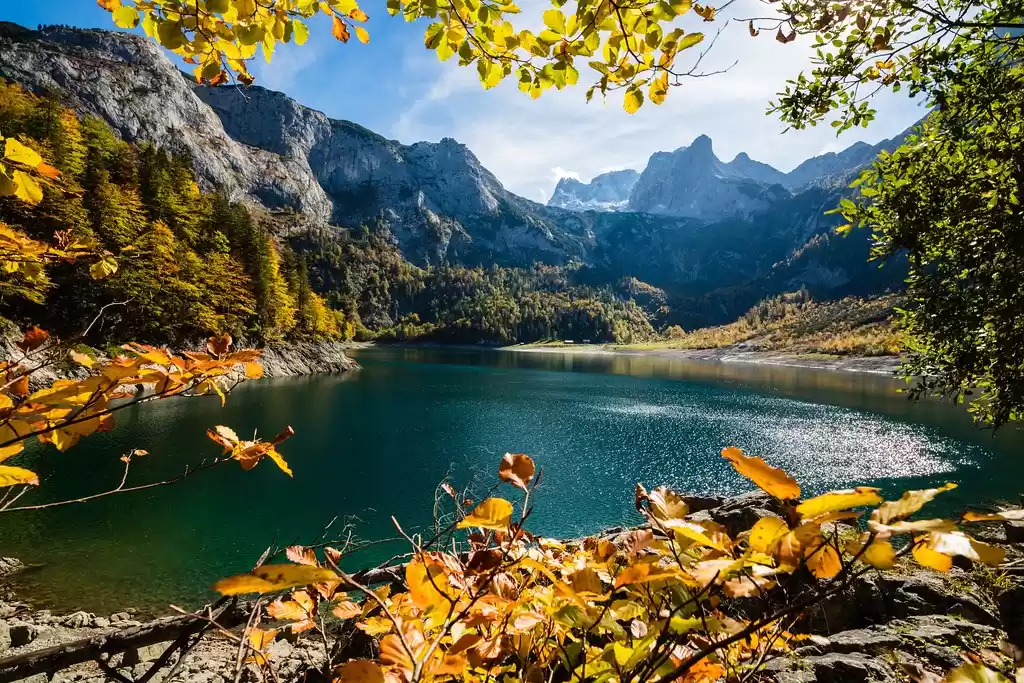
376, 443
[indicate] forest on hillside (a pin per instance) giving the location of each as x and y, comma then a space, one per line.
195, 264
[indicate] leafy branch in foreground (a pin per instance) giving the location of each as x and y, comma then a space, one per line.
631, 45
62, 412
680, 599
950, 197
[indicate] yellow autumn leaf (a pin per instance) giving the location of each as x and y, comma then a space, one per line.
908, 504
493, 513
975, 672
1002, 516
959, 543
427, 581
834, 501
104, 268
766, 534
770, 479
26, 188
15, 476
704, 533
363, 35
824, 562
273, 577
126, 17
273, 454
21, 154
632, 100
879, 554
360, 671
927, 557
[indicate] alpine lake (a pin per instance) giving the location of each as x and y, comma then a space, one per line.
376, 443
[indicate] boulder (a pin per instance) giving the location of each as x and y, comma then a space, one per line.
77, 620
1011, 610
5, 636
739, 513
872, 639
850, 668
23, 633
10, 565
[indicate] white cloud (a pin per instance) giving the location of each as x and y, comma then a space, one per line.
521, 139
560, 173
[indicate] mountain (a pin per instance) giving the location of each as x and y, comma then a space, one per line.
694, 183
606, 192
263, 148
838, 168
712, 234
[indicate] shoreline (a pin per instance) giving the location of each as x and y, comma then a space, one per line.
885, 366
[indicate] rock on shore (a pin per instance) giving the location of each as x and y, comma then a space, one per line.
305, 358
884, 627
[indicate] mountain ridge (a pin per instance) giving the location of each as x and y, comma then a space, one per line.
678, 183
704, 230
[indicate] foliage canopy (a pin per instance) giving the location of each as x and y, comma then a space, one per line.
630, 45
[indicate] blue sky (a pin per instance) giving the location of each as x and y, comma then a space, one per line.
396, 87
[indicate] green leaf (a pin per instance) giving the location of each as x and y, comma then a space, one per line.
690, 39
170, 35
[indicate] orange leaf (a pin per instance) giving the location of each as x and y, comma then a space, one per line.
253, 370
219, 345
771, 479
47, 171
20, 386
109, 5
300, 555
824, 562
360, 671
347, 610
517, 469
33, 339
340, 30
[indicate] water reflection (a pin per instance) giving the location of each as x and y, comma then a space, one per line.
375, 443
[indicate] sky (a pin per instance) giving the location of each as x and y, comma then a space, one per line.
399, 89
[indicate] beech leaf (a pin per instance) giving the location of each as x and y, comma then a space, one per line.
493, 513
771, 479
273, 577
516, 469
15, 476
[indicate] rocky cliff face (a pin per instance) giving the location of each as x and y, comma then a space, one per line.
606, 192
262, 147
694, 183
690, 222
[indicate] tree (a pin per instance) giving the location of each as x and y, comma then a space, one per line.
630, 45
948, 199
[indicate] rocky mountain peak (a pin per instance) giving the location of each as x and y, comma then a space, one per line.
605, 192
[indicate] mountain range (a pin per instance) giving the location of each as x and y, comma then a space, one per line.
717, 236
693, 182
